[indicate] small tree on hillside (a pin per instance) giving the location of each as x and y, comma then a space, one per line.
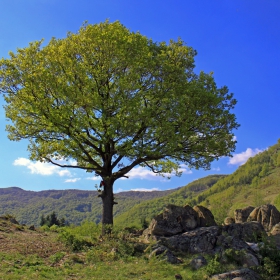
111, 100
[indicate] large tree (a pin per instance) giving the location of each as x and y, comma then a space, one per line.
112, 99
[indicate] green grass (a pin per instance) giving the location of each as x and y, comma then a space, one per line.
15, 266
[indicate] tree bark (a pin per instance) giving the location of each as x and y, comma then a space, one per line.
108, 204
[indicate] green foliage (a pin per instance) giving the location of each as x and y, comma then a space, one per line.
270, 261
234, 256
56, 257
75, 243
214, 266
51, 220
258, 199
265, 170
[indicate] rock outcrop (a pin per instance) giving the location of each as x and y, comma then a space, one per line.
205, 216
267, 215
249, 231
243, 274
173, 220
241, 215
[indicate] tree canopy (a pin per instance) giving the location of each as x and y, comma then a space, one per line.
112, 99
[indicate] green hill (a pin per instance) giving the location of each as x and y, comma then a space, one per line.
254, 183
74, 205
148, 209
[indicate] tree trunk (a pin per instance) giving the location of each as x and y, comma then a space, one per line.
108, 203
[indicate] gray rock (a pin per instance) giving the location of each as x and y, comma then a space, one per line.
247, 231
198, 262
244, 273
167, 255
241, 215
174, 220
205, 216
196, 241
267, 215
250, 260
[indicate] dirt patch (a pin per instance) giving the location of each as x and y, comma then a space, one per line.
16, 238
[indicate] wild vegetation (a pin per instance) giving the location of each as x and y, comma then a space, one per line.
79, 252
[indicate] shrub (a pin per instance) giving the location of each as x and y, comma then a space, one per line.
74, 242
214, 266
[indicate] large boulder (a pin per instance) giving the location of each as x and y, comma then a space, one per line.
199, 240
205, 217
215, 238
267, 215
173, 220
241, 215
249, 231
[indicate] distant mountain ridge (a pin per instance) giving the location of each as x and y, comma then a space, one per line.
255, 183
72, 204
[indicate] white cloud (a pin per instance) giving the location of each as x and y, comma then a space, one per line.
64, 172
42, 168
74, 180
143, 173
216, 169
145, 190
241, 158
94, 178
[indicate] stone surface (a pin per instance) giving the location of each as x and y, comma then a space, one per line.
198, 262
229, 221
196, 241
205, 216
250, 260
241, 215
244, 273
166, 254
174, 220
267, 215
247, 231
275, 230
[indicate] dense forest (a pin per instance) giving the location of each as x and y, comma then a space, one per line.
74, 206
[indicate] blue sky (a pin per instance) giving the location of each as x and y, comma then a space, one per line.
238, 40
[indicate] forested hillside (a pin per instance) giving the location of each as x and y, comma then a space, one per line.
73, 205
146, 210
255, 183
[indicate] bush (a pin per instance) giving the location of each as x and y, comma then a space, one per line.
76, 243
214, 266
270, 262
